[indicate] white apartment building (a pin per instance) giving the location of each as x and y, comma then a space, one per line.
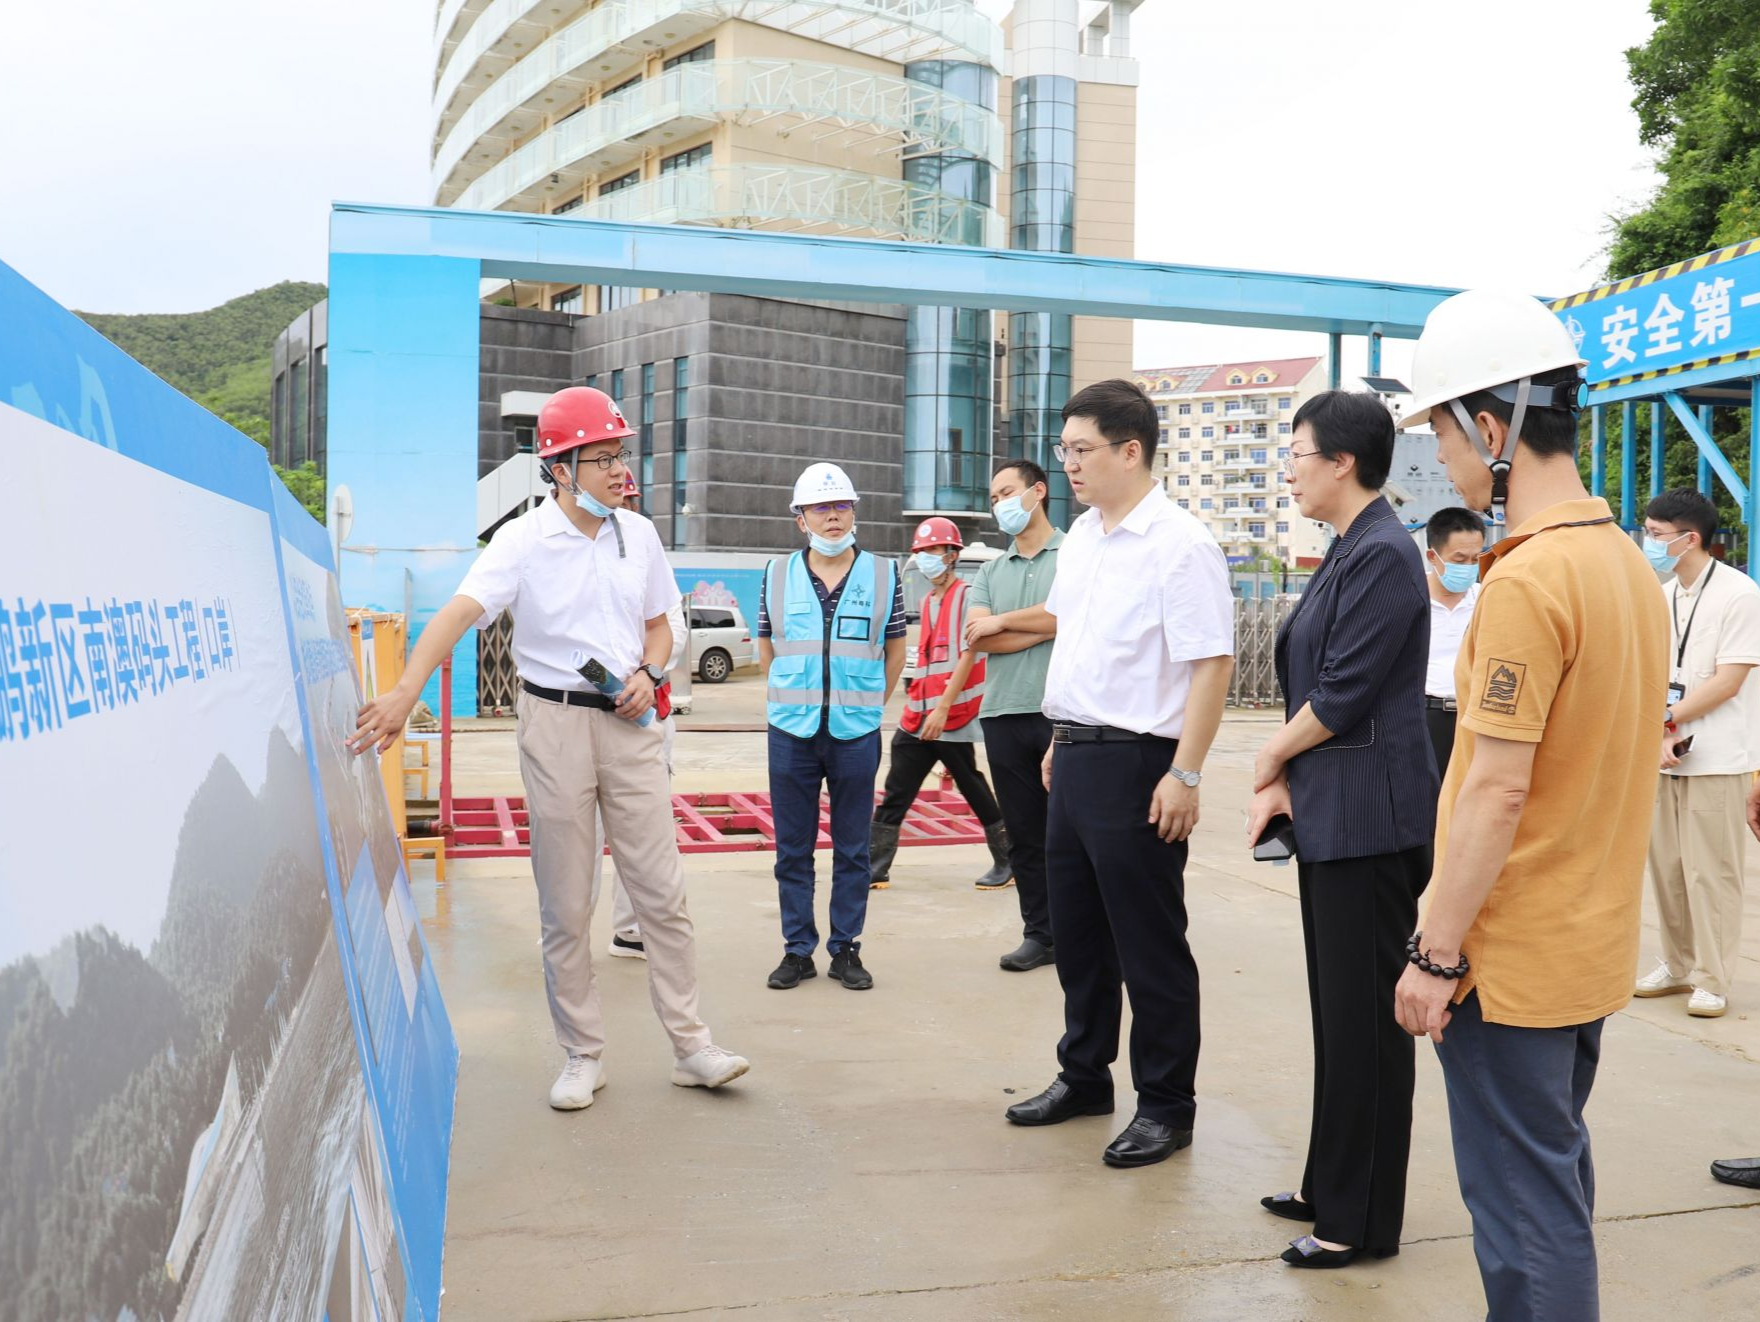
1225, 433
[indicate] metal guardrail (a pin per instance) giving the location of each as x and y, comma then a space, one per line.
1255, 641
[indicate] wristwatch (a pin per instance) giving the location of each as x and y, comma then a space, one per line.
653, 672
1189, 779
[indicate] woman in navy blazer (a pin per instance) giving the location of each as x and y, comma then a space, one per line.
1353, 767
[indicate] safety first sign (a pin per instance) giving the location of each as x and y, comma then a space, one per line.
1703, 312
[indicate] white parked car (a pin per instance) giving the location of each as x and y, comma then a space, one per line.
720, 642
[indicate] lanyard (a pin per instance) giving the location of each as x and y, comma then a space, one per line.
1674, 610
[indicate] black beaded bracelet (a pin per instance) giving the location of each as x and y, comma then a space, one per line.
1422, 959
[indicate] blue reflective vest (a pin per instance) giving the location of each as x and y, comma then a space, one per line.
841, 676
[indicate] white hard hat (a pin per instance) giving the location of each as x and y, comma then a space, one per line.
820, 483
1480, 339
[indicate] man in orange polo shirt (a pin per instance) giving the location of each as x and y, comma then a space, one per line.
1531, 933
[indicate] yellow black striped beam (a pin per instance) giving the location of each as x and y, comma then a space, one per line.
1692, 264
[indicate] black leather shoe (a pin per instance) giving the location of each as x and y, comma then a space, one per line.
1055, 1105
1028, 955
1288, 1205
794, 970
1304, 1252
1744, 1171
1145, 1142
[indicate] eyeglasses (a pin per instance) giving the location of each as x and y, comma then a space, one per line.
1064, 453
605, 461
1289, 465
831, 507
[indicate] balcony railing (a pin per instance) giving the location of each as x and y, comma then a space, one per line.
801, 197
603, 134
899, 31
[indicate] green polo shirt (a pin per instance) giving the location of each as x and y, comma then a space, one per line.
1014, 682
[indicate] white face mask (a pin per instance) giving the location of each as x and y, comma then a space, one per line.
930, 565
832, 545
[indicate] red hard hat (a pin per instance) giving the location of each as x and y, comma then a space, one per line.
578, 416
629, 486
936, 532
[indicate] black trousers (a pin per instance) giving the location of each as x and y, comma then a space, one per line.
913, 760
1118, 913
1016, 747
1357, 914
1441, 727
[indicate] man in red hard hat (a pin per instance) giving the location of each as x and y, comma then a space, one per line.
580, 575
940, 722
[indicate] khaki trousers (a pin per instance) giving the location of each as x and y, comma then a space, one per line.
579, 763
1696, 861
623, 913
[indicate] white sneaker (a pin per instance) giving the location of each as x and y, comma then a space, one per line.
1660, 981
573, 1090
1706, 1005
709, 1068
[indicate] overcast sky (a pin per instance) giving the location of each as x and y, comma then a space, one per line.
189, 150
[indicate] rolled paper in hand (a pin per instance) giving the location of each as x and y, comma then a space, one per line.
593, 671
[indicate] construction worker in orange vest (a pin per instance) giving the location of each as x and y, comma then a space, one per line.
940, 721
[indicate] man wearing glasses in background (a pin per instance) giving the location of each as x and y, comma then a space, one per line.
831, 641
1144, 626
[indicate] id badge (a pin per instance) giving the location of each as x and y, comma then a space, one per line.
1676, 691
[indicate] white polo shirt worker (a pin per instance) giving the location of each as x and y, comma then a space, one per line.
1698, 841
1144, 627
579, 575
1454, 540
626, 932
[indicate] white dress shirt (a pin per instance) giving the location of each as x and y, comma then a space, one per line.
1720, 615
567, 591
1448, 626
1135, 607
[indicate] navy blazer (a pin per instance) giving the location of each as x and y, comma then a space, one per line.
1356, 648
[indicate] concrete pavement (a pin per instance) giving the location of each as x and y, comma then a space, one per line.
863, 1168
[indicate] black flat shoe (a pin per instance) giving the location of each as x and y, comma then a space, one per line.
1287, 1205
1304, 1252
1028, 955
1742, 1171
1145, 1142
1055, 1105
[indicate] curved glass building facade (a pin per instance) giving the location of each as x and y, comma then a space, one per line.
1042, 218
949, 403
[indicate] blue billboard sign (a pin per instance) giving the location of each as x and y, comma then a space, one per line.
1698, 313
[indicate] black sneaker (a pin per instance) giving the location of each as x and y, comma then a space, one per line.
624, 948
846, 967
792, 971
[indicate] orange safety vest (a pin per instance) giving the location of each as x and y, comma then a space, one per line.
937, 658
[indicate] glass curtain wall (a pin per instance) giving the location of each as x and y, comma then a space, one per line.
949, 400
1042, 206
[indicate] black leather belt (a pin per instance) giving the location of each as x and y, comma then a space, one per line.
1441, 704
569, 697
1066, 732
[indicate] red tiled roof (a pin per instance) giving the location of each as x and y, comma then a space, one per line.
1284, 372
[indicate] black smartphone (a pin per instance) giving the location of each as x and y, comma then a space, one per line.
1277, 842
1683, 746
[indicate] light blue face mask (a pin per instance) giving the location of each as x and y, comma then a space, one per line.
1012, 516
596, 508
832, 546
1456, 579
929, 564
1656, 552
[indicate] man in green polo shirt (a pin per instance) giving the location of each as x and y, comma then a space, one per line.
1017, 734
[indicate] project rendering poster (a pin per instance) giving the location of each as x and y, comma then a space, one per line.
195, 1119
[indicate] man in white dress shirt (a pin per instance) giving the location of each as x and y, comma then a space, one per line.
1144, 623
1455, 539
578, 574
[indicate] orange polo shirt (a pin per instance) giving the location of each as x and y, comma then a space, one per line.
1567, 649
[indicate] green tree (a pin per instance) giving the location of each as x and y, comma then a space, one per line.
307, 485
1697, 96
